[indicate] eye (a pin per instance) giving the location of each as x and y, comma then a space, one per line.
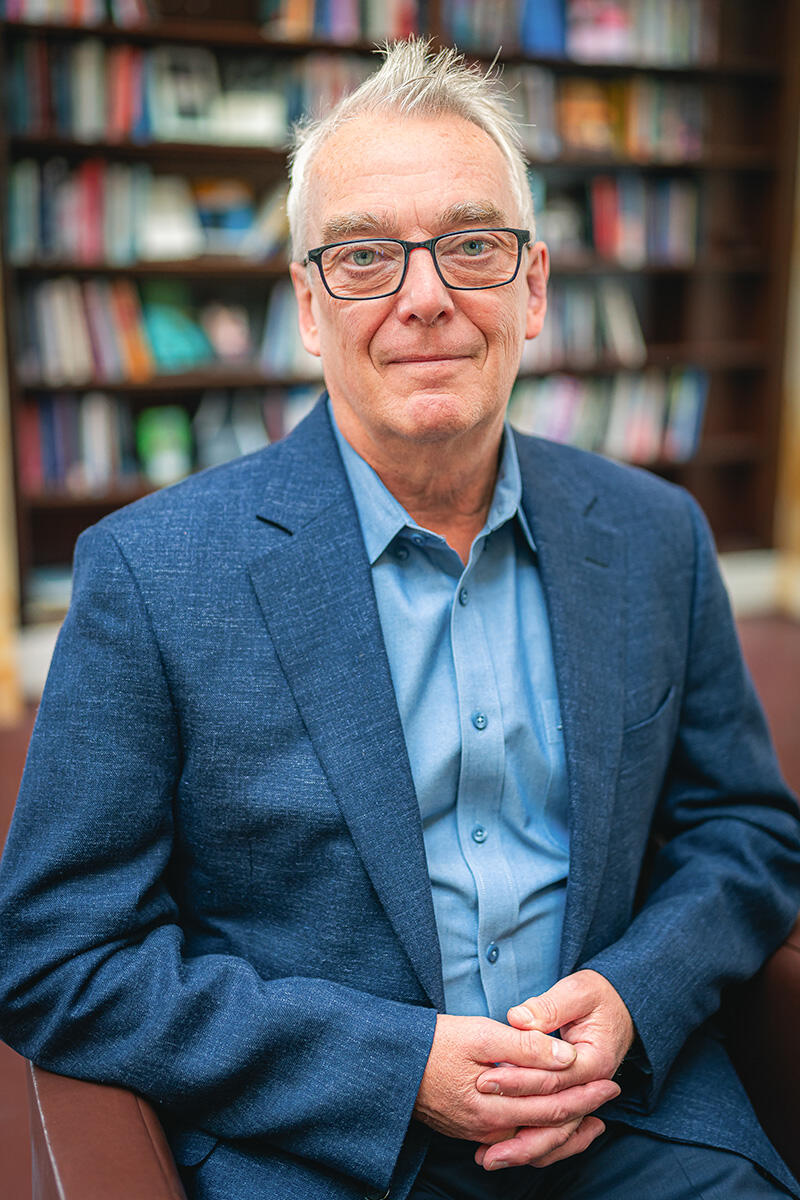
473, 247
364, 256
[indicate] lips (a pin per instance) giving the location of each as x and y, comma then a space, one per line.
427, 358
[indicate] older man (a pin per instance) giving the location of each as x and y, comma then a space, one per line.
369, 763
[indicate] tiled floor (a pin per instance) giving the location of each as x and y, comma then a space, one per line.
772, 650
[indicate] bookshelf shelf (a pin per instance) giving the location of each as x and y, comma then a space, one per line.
266, 158
105, 501
744, 159
217, 376
207, 267
705, 310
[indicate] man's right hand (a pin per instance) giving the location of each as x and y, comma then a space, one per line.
553, 1112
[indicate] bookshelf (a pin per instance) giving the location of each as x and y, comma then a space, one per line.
662, 158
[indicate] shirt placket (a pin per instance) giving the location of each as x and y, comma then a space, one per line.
480, 787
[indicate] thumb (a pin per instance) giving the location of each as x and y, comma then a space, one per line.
563, 1002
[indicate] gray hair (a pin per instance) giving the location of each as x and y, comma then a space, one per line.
413, 81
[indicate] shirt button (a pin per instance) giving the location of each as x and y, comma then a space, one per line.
463, 596
479, 834
493, 952
418, 539
401, 552
479, 720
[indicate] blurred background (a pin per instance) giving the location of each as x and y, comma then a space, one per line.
147, 328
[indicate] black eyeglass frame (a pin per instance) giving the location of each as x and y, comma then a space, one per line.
523, 237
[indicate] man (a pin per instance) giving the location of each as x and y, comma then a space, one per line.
371, 761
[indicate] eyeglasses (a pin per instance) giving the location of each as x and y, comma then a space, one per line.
370, 268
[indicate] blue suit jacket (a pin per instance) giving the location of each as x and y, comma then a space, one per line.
215, 888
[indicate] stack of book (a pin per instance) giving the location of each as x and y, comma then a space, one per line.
98, 331
92, 443
118, 214
674, 32
339, 21
637, 118
648, 417
91, 91
589, 324
626, 218
125, 13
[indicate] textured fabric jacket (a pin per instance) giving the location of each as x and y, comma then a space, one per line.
215, 889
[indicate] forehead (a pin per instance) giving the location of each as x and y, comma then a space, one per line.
405, 173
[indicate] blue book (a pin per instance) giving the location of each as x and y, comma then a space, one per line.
543, 28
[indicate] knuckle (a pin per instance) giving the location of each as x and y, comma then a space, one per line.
546, 1013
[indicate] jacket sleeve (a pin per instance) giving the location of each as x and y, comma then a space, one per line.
94, 981
724, 885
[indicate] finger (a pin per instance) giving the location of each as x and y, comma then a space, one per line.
528, 1048
500, 1112
568, 1000
540, 1147
589, 1129
508, 1080
527, 1146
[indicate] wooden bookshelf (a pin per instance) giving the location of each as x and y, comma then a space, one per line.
721, 310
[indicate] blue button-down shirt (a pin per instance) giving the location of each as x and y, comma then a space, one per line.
471, 661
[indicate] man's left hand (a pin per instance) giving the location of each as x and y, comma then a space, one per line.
593, 1018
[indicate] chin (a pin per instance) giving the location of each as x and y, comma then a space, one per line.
435, 415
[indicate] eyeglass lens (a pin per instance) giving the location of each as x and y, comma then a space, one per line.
479, 258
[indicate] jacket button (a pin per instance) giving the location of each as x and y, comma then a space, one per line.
375, 1196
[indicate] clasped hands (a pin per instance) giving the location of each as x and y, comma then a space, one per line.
527, 1097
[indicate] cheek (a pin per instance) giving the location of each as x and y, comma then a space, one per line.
347, 333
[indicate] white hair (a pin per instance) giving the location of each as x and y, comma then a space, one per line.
413, 81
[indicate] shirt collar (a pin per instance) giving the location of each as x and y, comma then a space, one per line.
382, 517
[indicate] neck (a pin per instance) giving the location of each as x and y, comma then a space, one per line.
446, 485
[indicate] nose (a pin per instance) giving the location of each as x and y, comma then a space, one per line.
423, 296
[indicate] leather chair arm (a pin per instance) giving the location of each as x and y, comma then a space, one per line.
764, 1043
90, 1141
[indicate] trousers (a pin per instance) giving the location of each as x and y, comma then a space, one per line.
621, 1164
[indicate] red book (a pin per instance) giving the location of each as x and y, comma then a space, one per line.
29, 449
605, 215
90, 180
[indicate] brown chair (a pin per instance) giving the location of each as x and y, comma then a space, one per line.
92, 1142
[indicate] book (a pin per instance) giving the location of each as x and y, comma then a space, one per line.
173, 333
168, 226
164, 443
135, 353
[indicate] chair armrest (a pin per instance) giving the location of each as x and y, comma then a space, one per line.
764, 1043
90, 1141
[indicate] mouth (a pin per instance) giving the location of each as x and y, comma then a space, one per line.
426, 359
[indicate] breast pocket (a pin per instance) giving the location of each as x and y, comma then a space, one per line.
647, 747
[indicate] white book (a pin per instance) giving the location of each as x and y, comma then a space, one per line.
620, 322
97, 429
87, 76
169, 228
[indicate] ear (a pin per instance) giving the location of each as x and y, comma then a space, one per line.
536, 275
309, 332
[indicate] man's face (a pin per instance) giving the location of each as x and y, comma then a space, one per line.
428, 363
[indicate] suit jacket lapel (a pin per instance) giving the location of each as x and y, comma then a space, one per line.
582, 571
315, 591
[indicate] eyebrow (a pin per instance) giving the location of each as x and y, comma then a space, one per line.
357, 224
471, 212
366, 224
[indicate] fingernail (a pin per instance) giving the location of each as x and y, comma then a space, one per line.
521, 1013
489, 1088
562, 1051
497, 1165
